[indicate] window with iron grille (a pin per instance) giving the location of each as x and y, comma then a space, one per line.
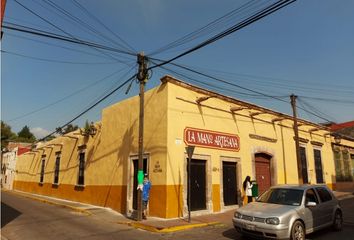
56, 170
81, 178
41, 178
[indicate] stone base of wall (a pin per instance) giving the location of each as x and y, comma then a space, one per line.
345, 187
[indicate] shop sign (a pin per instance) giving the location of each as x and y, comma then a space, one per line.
211, 139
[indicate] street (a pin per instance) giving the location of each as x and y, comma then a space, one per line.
23, 218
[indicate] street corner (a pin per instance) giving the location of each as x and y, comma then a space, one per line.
162, 229
55, 202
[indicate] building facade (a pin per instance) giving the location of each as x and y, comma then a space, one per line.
8, 163
232, 139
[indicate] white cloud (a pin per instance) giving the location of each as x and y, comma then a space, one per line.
39, 132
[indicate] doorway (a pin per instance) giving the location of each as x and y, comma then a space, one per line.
135, 180
198, 185
229, 183
304, 165
318, 166
263, 173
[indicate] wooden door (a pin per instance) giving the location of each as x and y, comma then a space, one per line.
198, 185
229, 183
263, 174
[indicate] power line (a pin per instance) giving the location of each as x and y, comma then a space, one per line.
315, 111
238, 86
41, 33
81, 23
102, 24
65, 97
328, 99
91, 107
53, 60
223, 81
60, 29
259, 15
55, 45
207, 28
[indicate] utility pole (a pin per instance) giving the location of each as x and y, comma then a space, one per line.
142, 77
297, 143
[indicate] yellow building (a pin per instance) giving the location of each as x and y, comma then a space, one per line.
233, 139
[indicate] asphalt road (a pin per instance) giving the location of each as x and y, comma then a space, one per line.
23, 218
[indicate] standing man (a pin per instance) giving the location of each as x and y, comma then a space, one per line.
146, 192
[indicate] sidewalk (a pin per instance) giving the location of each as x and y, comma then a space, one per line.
152, 224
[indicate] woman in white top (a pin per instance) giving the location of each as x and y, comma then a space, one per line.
247, 187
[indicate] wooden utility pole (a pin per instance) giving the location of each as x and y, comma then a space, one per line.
297, 142
142, 77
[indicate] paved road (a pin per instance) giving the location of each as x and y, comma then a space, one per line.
23, 218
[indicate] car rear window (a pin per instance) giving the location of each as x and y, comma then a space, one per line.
282, 196
325, 196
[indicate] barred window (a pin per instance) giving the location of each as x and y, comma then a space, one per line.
56, 170
81, 178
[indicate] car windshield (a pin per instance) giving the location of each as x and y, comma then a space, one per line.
282, 196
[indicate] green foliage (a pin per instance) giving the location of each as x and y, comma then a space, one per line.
25, 135
6, 134
70, 128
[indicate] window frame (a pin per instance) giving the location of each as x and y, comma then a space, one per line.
81, 169
41, 174
57, 168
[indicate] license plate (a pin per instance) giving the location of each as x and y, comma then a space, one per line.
250, 227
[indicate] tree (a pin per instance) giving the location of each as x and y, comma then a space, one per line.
6, 134
70, 128
25, 135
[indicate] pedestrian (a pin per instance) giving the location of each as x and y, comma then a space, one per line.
247, 187
146, 192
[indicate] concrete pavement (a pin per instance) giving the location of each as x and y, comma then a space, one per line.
152, 224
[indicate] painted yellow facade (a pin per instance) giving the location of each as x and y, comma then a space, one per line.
169, 109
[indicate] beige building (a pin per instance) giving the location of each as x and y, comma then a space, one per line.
233, 139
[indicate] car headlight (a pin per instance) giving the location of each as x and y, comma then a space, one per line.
272, 220
237, 215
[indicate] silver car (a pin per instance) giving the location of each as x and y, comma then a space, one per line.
289, 211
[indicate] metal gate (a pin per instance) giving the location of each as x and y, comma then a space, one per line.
229, 183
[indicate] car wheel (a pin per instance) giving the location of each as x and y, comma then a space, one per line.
338, 221
298, 231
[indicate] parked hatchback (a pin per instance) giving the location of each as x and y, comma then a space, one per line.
289, 211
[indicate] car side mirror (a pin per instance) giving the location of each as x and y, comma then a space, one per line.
311, 204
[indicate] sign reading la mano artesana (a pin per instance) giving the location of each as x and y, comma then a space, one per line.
211, 139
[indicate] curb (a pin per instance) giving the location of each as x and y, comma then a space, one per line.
49, 202
169, 229
345, 196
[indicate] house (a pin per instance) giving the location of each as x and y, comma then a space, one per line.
232, 139
8, 165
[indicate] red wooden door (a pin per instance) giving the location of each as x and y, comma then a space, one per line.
263, 175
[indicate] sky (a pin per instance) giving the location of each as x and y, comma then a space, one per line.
304, 49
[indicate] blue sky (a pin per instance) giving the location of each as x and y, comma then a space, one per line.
305, 48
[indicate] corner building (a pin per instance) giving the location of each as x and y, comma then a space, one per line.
232, 139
